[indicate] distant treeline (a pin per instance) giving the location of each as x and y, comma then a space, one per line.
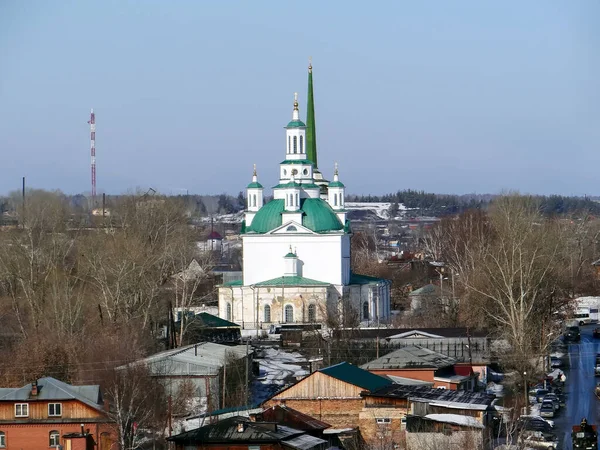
443, 204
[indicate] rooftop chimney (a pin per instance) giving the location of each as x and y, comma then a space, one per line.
34, 389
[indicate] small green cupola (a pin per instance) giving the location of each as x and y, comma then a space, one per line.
335, 195
254, 193
291, 264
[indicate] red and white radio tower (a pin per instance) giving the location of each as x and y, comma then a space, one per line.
92, 123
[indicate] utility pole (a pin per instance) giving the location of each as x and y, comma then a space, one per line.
247, 375
224, 382
92, 123
23, 194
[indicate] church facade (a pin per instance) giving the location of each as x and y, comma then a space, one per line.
296, 248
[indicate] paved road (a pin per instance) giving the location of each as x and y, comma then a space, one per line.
581, 401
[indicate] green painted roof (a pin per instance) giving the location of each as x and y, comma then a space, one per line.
292, 281
210, 321
296, 161
317, 216
356, 376
287, 185
268, 217
233, 283
336, 184
255, 185
364, 279
290, 255
295, 124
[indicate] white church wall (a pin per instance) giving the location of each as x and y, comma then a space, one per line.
320, 256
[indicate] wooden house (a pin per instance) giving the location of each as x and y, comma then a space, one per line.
332, 394
48, 413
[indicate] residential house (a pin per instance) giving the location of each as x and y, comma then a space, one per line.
466, 346
48, 413
426, 365
444, 431
331, 394
383, 417
427, 298
200, 364
242, 433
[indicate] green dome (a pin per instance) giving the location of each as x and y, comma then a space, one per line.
295, 124
336, 184
255, 185
317, 216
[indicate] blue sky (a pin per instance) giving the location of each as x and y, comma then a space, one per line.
448, 97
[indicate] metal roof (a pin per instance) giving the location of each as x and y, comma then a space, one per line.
206, 358
438, 397
428, 289
409, 381
356, 376
292, 417
304, 442
237, 430
411, 357
52, 389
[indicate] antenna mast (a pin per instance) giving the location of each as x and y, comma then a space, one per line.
92, 123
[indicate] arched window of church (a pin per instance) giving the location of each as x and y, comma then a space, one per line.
289, 144
228, 311
334, 199
289, 314
297, 199
267, 313
253, 199
295, 144
366, 310
312, 313
301, 144
291, 228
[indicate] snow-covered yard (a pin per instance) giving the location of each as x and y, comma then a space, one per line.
277, 369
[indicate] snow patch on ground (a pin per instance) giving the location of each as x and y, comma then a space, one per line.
277, 369
197, 406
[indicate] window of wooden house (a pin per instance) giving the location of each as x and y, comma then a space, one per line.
54, 409
2, 439
54, 438
22, 410
384, 421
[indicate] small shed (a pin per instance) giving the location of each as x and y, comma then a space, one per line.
214, 241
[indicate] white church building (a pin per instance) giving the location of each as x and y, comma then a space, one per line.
296, 248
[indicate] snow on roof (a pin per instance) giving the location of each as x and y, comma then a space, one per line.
456, 419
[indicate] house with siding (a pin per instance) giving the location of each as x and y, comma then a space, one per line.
331, 394
48, 413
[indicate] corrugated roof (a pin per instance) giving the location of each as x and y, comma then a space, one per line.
409, 381
356, 376
210, 321
206, 358
402, 333
52, 389
438, 397
411, 357
304, 442
291, 417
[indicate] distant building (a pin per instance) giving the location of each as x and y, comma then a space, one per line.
426, 365
50, 413
296, 248
214, 241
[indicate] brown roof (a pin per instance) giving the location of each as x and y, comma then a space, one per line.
291, 418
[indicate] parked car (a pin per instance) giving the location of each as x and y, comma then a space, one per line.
537, 440
597, 369
554, 398
556, 362
547, 409
540, 394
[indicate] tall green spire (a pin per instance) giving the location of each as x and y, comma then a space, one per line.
311, 133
